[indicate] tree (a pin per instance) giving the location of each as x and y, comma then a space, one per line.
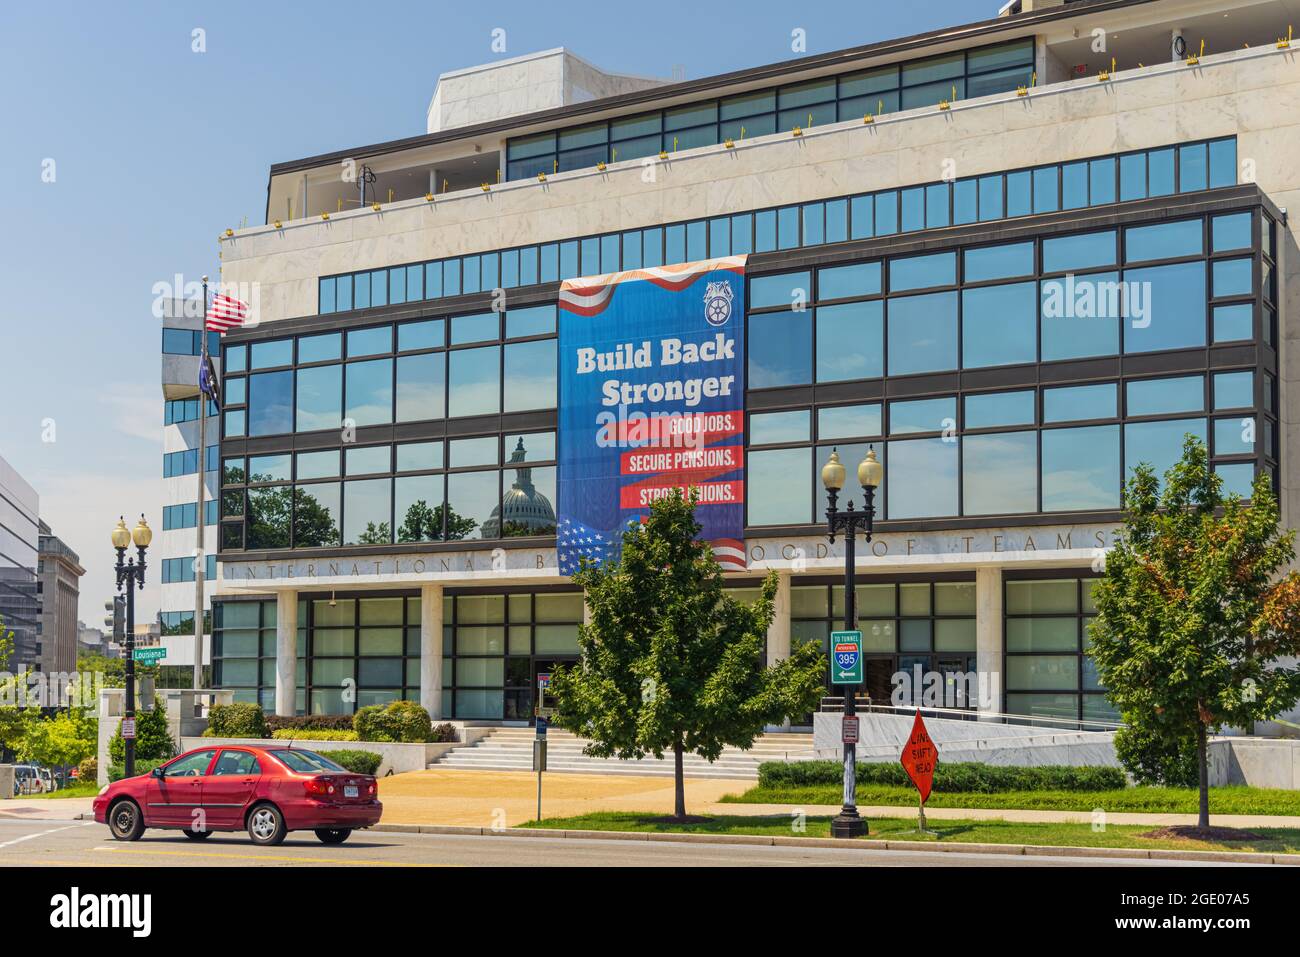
66, 738
313, 523
152, 739
669, 661
1194, 615
380, 534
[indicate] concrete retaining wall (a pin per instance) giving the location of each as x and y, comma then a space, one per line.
6, 782
1259, 762
395, 758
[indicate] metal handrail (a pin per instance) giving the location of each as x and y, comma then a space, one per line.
834, 704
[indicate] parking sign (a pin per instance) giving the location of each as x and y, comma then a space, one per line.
846, 658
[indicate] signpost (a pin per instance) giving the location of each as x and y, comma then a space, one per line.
846, 657
919, 758
150, 656
539, 742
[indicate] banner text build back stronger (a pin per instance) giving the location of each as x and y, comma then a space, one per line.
651, 399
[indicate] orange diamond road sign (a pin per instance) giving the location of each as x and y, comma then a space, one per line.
919, 758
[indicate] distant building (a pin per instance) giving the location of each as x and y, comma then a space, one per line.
59, 571
20, 600
93, 641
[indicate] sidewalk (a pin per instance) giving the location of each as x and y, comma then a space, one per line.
45, 809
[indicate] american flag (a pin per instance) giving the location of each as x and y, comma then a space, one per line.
226, 313
575, 540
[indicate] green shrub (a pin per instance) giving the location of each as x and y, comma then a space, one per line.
962, 776
153, 742
358, 762
315, 722
116, 772
1157, 759
243, 719
313, 734
87, 770
403, 721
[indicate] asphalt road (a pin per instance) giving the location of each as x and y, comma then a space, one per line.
86, 844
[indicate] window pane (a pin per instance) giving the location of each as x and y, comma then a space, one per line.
366, 507
923, 333
267, 355
1232, 277
472, 497
779, 487
775, 427
1083, 251
999, 262
1043, 634
420, 335
999, 325
1232, 323
1080, 468
474, 381
1000, 408
319, 348
922, 415
1161, 396
310, 465
1165, 307
920, 272
1072, 403
368, 460
483, 326
1081, 316
369, 342
922, 478
316, 515
850, 341
268, 517
1158, 444
1234, 390
1163, 241
320, 398
270, 403
783, 290
418, 508
532, 321
999, 473
420, 386
1160, 172
530, 375
1235, 436
845, 282
1231, 232
780, 349
369, 388
848, 421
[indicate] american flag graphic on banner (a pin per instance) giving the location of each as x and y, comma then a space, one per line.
226, 313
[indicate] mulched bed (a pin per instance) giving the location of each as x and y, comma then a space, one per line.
1190, 832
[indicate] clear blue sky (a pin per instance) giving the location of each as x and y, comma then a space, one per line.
157, 149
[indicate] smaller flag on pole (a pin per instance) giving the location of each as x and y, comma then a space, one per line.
226, 313
209, 384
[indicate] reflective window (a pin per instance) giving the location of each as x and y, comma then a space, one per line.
366, 512
1158, 444
999, 262
472, 497
1081, 316
370, 342
1165, 396
320, 398
1075, 403
1080, 468
1234, 390
923, 333
1163, 241
420, 386
369, 390
922, 415
780, 349
848, 421
919, 272
316, 515
999, 325
1231, 232
418, 508
846, 282
270, 403
922, 478
323, 348
999, 473
850, 341
779, 487
1165, 307
474, 381
1081, 251
772, 428
530, 375
1000, 408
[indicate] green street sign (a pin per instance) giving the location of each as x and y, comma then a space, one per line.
846, 657
149, 656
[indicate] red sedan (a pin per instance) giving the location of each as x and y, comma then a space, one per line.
268, 791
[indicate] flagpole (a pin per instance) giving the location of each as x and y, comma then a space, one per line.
201, 560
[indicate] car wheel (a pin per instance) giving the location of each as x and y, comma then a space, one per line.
125, 821
333, 835
197, 835
266, 825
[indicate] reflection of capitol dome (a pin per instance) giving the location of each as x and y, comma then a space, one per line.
525, 510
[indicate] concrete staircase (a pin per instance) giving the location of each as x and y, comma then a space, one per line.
511, 749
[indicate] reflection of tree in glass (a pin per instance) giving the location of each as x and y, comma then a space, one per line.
270, 511
380, 534
424, 524
313, 523
514, 529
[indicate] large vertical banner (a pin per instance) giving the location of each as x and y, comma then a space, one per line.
652, 392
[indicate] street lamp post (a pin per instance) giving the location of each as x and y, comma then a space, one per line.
849, 521
130, 574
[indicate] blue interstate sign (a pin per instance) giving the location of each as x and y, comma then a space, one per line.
846, 657
652, 386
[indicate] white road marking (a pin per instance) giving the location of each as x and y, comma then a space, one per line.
32, 837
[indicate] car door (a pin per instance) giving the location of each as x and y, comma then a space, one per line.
230, 787
177, 793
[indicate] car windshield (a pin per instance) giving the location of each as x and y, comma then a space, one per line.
305, 762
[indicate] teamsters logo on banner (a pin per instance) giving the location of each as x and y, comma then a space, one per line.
652, 389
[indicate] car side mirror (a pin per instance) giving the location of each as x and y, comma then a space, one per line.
156, 773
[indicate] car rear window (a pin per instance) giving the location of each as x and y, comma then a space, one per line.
304, 762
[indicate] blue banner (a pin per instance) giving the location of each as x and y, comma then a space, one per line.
652, 394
